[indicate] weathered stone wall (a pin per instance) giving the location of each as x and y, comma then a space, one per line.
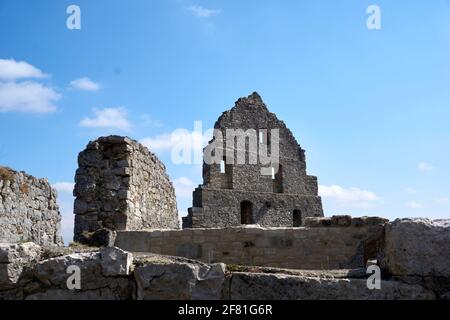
417, 251
28, 209
328, 243
269, 209
121, 185
33, 273
217, 202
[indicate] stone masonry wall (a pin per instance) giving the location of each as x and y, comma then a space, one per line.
273, 198
269, 209
29, 272
28, 209
326, 243
121, 185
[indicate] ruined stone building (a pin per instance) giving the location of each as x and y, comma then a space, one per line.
236, 193
28, 209
121, 185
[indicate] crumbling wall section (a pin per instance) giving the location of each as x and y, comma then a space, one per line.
121, 185
28, 209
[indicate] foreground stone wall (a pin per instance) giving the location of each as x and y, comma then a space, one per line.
417, 251
326, 243
121, 185
113, 274
28, 209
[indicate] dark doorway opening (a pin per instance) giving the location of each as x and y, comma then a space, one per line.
246, 212
297, 217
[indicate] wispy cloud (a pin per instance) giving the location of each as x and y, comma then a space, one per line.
194, 141
148, 120
202, 12
410, 190
64, 187
423, 166
443, 200
354, 197
85, 84
183, 187
28, 96
11, 69
108, 118
414, 205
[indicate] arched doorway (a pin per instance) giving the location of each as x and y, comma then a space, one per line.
246, 212
297, 217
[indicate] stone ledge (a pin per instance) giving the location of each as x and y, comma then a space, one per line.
344, 221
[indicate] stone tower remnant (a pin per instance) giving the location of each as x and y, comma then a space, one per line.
235, 193
121, 185
28, 209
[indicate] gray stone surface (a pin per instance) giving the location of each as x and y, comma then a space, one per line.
258, 286
116, 262
13, 258
324, 247
217, 202
28, 209
164, 278
417, 247
121, 185
107, 274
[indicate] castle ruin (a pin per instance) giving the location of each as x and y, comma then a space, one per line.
28, 209
235, 193
121, 185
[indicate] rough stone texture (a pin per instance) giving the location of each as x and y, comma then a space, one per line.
324, 247
116, 262
418, 247
109, 274
13, 258
217, 203
187, 280
254, 286
28, 209
121, 185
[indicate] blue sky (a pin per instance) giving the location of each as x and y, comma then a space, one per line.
370, 107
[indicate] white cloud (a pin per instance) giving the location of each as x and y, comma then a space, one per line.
85, 84
443, 200
346, 195
410, 190
148, 120
180, 137
414, 205
183, 187
112, 118
351, 196
11, 69
202, 12
28, 96
63, 187
423, 166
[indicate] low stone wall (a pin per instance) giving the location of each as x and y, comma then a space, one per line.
328, 243
28, 209
30, 272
